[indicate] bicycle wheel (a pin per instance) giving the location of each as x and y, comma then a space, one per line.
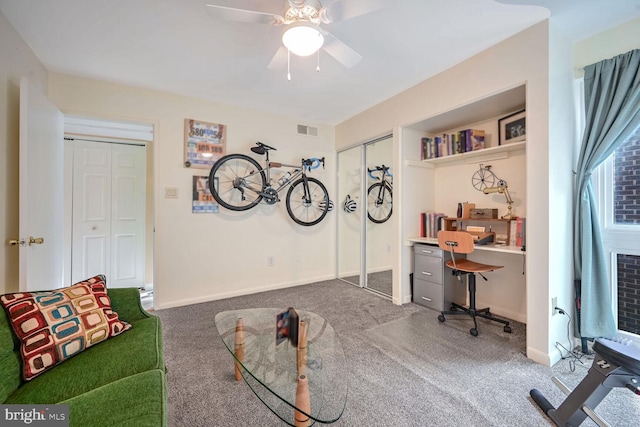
236, 181
379, 202
307, 209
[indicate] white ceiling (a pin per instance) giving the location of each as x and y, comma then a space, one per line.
175, 46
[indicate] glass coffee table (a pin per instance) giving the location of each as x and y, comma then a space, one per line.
300, 384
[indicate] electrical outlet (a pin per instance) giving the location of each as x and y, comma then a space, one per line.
271, 261
554, 304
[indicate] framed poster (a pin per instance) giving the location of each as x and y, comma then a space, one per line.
204, 143
512, 128
202, 200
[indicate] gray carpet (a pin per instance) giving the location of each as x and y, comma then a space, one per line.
381, 281
407, 368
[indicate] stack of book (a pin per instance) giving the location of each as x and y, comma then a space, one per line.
431, 223
518, 232
452, 143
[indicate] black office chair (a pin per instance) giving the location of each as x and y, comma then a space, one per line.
461, 242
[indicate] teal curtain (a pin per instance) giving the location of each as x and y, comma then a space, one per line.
612, 104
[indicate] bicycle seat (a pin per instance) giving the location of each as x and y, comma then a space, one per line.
261, 148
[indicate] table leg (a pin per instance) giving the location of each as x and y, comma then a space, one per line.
303, 401
238, 348
302, 348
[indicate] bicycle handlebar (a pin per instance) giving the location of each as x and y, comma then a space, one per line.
383, 168
313, 163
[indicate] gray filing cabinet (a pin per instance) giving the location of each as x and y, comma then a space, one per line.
433, 284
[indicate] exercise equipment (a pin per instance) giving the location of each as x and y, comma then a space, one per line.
614, 365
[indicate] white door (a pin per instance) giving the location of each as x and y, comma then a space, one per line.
109, 213
41, 191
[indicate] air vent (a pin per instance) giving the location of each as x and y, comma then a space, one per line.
307, 130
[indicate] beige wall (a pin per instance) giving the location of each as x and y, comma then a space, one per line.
200, 257
608, 44
16, 61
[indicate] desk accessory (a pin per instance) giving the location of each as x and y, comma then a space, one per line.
484, 180
502, 189
287, 326
484, 213
482, 237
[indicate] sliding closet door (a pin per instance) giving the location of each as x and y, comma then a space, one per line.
379, 154
349, 207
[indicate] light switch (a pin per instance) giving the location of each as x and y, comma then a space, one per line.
170, 192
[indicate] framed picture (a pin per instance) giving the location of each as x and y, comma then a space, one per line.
204, 143
512, 128
202, 200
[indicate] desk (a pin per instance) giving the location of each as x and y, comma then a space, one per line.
505, 291
492, 247
271, 371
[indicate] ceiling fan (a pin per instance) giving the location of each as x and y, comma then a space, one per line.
301, 20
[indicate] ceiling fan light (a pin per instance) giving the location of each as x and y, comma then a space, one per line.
302, 40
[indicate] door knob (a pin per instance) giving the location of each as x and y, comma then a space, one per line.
36, 240
17, 242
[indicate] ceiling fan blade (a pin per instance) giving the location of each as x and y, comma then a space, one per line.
278, 59
242, 15
347, 9
340, 51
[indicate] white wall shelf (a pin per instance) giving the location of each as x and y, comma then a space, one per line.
487, 154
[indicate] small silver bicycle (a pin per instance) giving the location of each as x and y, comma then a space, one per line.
238, 182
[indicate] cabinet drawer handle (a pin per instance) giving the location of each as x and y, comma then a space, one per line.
426, 273
427, 299
424, 251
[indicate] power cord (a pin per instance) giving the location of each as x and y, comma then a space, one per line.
573, 355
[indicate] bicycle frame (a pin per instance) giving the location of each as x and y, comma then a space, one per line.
297, 171
384, 173
239, 182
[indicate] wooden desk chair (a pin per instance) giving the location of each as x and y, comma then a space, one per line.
460, 242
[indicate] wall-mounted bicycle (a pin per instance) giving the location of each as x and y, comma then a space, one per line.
379, 195
239, 183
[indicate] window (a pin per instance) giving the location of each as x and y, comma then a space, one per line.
617, 187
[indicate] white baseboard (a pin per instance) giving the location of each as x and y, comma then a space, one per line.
502, 311
546, 359
246, 291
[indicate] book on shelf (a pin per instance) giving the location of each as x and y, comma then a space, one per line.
521, 231
439, 146
426, 148
455, 146
431, 223
462, 141
477, 139
449, 144
513, 224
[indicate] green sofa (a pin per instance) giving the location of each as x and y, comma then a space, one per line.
119, 382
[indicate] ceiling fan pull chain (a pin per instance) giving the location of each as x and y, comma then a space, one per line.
288, 65
318, 66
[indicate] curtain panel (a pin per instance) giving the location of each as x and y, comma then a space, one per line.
612, 105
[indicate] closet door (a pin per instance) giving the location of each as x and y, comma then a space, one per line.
108, 213
128, 210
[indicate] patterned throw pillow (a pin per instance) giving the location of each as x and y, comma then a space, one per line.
56, 325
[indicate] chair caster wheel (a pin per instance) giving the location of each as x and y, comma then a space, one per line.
441, 318
474, 332
507, 329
